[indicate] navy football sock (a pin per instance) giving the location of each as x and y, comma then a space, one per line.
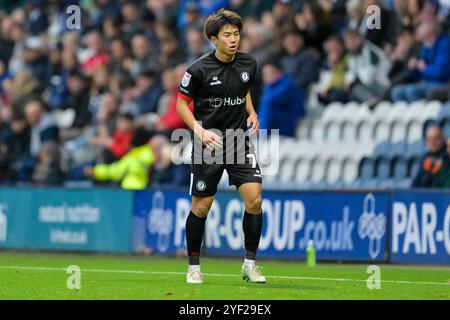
195, 229
252, 225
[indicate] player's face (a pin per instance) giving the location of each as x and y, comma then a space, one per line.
228, 39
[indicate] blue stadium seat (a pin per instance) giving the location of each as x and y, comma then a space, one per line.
397, 150
399, 168
369, 184
415, 149
383, 168
386, 184
414, 164
445, 112
366, 169
445, 124
382, 149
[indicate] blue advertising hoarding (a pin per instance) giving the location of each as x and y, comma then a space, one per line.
420, 227
343, 226
66, 219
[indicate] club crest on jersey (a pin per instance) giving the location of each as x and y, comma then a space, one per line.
201, 185
186, 79
245, 76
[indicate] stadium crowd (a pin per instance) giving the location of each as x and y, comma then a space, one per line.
98, 104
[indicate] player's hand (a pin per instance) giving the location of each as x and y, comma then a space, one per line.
211, 140
252, 121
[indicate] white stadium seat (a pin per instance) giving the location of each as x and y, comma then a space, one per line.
333, 170
317, 170
398, 131
382, 131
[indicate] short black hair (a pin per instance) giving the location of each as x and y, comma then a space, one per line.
219, 19
148, 73
352, 32
127, 116
275, 60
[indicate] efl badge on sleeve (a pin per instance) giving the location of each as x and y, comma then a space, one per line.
186, 79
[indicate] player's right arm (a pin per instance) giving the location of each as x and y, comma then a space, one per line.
190, 86
208, 138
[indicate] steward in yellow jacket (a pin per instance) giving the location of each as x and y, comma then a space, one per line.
132, 170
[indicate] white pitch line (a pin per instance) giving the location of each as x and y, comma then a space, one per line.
224, 275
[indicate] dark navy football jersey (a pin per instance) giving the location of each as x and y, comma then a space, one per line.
219, 90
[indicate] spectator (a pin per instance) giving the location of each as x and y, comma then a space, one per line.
119, 56
165, 173
115, 146
281, 103
131, 171
37, 22
126, 87
414, 12
382, 36
42, 129
197, 45
18, 36
283, 13
55, 84
130, 15
144, 56
431, 69
103, 11
86, 149
368, 67
99, 85
170, 55
442, 177
335, 12
404, 50
147, 92
314, 25
48, 170
35, 57
332, 81
6, 42
247, 8
78, 99
260, 44
4, 75
42, 124
169, 119
298, 62
192, 20
24, 87
94, 56
111, 29
434, 159
17, 149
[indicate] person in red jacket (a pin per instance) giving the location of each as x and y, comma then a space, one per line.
119, 142
170, 120
122, 136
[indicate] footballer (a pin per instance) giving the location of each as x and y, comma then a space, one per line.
219, 84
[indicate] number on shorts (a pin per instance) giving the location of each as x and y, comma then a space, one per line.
252, 156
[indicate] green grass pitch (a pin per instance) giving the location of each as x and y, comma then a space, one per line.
44, 276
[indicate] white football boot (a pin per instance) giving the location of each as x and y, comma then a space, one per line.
252, 273
194, 275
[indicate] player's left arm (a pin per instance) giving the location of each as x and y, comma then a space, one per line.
252, 119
